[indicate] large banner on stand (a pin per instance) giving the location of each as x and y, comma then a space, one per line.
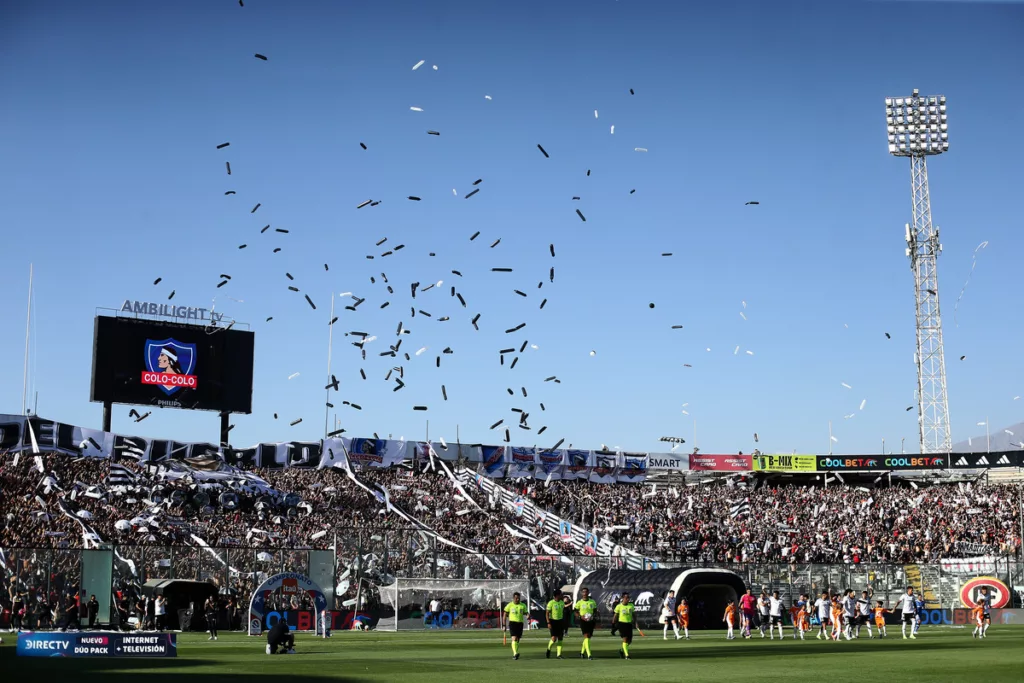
19, 434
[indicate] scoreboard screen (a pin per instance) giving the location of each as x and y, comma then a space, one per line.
172, 365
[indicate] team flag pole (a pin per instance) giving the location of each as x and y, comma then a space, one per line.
501, 622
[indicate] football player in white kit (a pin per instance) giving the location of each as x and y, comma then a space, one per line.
849, 613
864, 613
668, 615
908, 609
763, 612
824, 606
775, 608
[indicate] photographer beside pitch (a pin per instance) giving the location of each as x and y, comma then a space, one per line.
280, 636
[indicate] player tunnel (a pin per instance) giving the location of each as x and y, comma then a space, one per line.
707, 591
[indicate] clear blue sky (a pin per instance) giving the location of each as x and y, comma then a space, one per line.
109, 178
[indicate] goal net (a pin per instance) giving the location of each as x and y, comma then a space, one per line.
427, 604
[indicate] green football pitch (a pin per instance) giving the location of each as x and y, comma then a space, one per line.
938, 654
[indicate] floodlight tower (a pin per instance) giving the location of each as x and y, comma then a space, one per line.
917, 129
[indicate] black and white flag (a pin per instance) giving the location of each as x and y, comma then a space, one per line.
739, 508
120, 475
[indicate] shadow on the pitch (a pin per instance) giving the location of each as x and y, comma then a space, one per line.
154, 670
769, 648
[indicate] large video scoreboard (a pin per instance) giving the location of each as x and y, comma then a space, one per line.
172, 365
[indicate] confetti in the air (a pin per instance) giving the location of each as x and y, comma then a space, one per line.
974, 263
419, 64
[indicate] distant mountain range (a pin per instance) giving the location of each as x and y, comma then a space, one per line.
999, 440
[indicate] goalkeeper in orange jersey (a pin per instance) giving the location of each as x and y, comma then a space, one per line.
879, 613
798, 613
683, 614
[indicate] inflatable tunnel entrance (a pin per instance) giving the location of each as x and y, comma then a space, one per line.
707, 591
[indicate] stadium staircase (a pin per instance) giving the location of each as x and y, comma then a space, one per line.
927, 581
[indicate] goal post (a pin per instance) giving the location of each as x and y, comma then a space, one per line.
448, 604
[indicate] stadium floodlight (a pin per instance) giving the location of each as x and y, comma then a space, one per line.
916, 125
917, 128
672, 439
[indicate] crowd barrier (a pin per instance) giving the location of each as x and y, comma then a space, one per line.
355, 590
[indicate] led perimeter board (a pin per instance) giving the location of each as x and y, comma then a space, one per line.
172, 365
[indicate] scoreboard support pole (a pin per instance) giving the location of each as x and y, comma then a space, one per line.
108, 409
224, 428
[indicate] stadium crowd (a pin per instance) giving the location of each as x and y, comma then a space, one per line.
790, 523
234, 527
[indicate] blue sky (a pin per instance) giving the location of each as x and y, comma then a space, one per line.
109, 178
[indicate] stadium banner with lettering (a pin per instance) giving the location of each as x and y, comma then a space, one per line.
605, 465
874, 463
493, 461
668, 462
96, 644
549, 465
577, 464
633, 468
521, 461
969, 566
700, 462
981, 461
20, 434
785, 463
376, 452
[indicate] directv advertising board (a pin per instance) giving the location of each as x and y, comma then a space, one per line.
96, 644
172, 365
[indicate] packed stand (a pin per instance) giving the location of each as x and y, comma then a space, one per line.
794, 524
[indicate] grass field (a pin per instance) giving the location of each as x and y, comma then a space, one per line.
939, 654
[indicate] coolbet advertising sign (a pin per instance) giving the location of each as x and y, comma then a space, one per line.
96, 645
866, 463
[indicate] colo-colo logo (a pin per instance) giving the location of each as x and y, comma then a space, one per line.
870, 463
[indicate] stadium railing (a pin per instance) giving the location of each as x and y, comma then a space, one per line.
238, 570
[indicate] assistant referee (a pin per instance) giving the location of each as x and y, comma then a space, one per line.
516, 612
623, 618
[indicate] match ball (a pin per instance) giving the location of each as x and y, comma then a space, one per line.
588, 617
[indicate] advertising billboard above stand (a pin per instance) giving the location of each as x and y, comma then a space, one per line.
874, 463
172, 365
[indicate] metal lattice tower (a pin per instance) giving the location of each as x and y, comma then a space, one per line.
917, 129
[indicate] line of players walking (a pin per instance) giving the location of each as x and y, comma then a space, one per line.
838, 615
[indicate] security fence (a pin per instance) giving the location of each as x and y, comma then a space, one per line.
46, 579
